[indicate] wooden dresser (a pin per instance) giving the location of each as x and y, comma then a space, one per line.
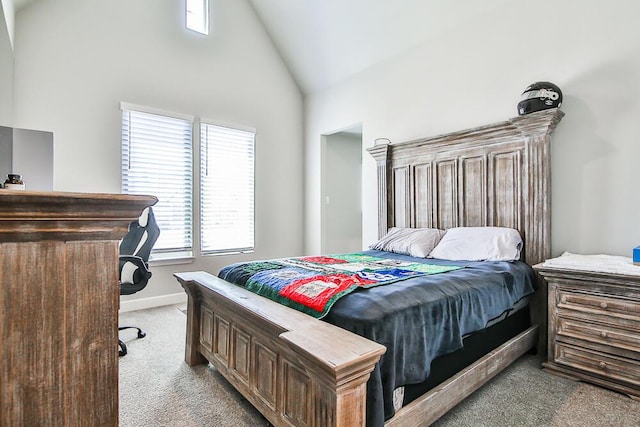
594, 326
59, 301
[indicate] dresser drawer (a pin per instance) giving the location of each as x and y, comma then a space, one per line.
609, 337
611, 367
607, 309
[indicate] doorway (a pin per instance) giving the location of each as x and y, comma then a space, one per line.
342, 191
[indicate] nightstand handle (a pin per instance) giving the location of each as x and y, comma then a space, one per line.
603, 304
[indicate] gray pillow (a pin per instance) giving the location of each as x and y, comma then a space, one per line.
417, 242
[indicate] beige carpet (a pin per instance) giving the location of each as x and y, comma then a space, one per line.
158, 389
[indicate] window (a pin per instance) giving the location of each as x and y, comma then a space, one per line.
197, 16
226, 189
157, 160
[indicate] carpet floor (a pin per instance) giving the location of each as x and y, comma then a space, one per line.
158, 389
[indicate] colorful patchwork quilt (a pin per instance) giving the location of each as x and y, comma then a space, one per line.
313, 284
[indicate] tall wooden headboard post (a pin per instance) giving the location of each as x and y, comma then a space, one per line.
494, 175
380, 153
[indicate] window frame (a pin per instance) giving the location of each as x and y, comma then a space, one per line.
172, 253
202, 27
165, 257
234, 250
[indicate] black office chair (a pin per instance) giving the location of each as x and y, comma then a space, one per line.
135, 249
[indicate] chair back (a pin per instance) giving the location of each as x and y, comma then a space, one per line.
135, 250
141, 237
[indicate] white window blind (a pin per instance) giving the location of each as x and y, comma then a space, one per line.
157, 160
226, 189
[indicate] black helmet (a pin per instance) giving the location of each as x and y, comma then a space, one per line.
539, 96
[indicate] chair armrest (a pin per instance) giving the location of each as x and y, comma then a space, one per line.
139, 262
133, 278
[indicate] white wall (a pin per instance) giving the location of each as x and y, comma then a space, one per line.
76, 60
6, 63
474, 75
8, 10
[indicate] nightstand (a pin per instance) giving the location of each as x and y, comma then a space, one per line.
594, 320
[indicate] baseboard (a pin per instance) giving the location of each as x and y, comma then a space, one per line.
150, 302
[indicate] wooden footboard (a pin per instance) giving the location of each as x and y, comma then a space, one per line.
296, 370
301, 371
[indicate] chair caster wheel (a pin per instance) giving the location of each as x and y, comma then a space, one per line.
141, 334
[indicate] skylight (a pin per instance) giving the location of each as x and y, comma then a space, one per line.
198, 16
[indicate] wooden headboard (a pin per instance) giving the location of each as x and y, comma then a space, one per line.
494, 175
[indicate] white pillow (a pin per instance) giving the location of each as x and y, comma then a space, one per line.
417, 242
479, 244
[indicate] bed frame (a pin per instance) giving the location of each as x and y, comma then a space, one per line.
300, 371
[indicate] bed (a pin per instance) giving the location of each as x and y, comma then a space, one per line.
301, 371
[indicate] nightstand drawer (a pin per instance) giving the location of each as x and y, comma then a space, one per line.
607, 336
617, 309
625, 370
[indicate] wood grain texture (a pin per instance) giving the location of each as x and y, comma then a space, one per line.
380, 154
594, 327
492, 175
35, 216
297, 370
59, 305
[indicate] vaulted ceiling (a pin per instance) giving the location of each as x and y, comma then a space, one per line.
326, 41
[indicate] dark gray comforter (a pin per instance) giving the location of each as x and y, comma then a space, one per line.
422, 318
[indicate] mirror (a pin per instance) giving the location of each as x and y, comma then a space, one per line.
28, 153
